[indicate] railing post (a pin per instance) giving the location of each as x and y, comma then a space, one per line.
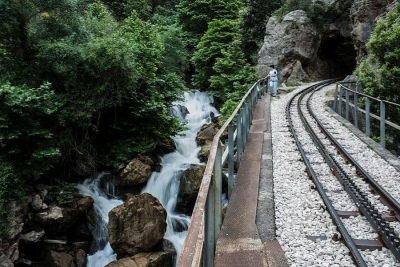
209, 231
217, 193
347, 105
230, 160
244, 127
367, 119
239, 137
356, 108
382, 123
335, 98
340, 100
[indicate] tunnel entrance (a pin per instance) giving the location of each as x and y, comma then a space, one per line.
336, 57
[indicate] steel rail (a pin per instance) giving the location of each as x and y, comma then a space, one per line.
342, 229
391, 240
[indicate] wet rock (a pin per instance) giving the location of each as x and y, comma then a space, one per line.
5, 262
37, 202
204, 152
33, 236
81, 258
135, 173
154, 259
189, 186
84, 245
85, 203
56, 219
125, 262
137, 225
56, 259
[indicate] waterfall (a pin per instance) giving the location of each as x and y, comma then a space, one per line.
164, 185
103, 205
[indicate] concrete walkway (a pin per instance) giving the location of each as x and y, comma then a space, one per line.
247, 237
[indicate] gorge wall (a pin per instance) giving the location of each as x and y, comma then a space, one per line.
305, 49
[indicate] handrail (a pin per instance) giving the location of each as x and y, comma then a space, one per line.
337, 106
206, 222
370, 97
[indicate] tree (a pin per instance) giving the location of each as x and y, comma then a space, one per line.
194, 16
218, 37
253, 22
379, 74
233, 77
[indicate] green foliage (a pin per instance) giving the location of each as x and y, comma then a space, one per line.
217, 38
61, 192
26, 115
107, 82
11, 187
233, 78
379, 74
253, 20
317, 12
194, 16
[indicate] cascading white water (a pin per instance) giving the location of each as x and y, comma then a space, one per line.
164, 185
103, 204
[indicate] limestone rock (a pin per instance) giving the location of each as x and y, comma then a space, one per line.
56, 219
204, 152
33, 236
37, 202
81, 258
364, 15
304, 50
125, 262
189, 186
135, 173
207, 133
56, 259
5, 262
155, 259
85, 203
137, 225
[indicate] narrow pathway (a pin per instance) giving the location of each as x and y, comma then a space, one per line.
242, 242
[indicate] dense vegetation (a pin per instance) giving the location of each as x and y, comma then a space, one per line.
379, 74
88, 84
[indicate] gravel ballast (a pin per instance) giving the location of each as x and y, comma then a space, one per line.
304, 227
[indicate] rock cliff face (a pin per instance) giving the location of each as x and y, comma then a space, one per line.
302, 49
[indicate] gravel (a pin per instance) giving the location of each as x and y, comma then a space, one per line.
299, 210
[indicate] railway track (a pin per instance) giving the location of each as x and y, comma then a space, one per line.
334, 173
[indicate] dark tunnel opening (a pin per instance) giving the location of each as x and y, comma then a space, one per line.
338, 57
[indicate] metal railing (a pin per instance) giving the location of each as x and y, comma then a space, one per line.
350, 89
206, 223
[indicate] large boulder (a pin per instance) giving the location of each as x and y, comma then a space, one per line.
304, 49
189, 186
364, 15
206, 135
151, 259
56, 219
56, 259
137, 225
137, 172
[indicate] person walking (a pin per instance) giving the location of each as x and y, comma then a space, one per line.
273, 80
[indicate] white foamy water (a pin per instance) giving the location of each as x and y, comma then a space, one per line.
164, 185
104, 202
